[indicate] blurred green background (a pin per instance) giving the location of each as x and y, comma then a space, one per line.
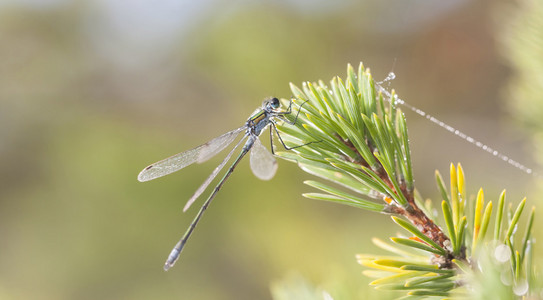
93, 91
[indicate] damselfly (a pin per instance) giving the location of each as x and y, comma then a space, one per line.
262, 162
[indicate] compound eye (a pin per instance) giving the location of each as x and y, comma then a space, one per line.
274, 102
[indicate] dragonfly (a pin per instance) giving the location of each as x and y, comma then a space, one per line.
262, 162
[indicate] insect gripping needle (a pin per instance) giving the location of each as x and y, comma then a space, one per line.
262, 162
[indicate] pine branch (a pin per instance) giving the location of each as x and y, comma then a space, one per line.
357, 139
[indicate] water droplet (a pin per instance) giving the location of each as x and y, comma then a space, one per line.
452, 129
506, 278
521, 287
391, 76
502, 253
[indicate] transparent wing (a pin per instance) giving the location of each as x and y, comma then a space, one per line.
209, 179
183, 159
262, 161
217, 144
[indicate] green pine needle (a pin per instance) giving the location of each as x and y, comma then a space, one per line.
356, 140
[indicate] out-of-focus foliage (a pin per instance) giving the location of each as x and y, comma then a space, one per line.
295, 287
92, 91
522, 40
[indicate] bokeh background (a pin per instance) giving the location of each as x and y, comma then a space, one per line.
93, 91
